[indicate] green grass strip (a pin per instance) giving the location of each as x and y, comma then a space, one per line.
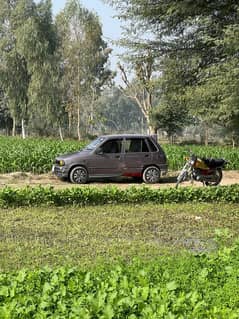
32, 196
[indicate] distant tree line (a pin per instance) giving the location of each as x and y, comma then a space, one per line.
51, 70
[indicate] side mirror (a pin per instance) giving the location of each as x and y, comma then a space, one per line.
99, 151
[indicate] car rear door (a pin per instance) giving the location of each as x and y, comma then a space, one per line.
136, 156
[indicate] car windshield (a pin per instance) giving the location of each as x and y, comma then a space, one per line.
94, 144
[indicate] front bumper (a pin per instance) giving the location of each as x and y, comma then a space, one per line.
60, 171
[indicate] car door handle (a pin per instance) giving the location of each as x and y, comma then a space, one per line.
117, 156
147, 155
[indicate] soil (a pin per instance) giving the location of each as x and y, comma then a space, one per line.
22, 179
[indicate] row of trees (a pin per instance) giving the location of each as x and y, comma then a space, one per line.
51, 71
181, 68
185, 57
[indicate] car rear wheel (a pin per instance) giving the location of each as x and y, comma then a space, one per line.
78, 175
151, 175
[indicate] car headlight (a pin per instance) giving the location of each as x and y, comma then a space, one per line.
61, 163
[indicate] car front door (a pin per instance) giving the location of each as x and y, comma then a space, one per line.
107, 159
136, 156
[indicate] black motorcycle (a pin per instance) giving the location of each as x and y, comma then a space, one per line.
205, 170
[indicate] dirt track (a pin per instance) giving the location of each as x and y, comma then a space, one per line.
19, 179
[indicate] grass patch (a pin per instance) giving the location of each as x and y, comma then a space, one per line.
56, 236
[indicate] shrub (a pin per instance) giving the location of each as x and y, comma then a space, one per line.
32, 196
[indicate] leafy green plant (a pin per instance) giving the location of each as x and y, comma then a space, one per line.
32, 155
202, 286
32, 196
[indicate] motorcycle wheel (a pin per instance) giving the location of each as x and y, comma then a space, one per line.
217, 180
181, 177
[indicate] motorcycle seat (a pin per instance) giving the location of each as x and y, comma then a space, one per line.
214, 162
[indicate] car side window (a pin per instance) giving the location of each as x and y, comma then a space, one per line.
151, 145
136, 145
112, 146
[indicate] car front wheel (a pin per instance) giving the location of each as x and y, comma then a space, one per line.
151, 175
78, 175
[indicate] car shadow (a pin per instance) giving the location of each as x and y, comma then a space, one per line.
133, 181
168, 180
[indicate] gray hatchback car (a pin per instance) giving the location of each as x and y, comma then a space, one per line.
137, 156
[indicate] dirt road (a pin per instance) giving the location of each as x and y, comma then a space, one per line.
19, 179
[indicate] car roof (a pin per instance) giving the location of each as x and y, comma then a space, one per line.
125, 135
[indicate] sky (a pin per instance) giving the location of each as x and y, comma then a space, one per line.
110, 24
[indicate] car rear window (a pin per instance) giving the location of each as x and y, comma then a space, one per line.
136, 145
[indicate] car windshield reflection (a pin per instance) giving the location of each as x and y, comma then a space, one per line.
94, 144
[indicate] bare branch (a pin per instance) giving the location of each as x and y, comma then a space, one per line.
139, 90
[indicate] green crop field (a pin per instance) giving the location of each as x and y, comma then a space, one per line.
176, 154
37, 155
32, 155
121, 261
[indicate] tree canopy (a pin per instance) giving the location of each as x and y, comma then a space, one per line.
199, 38
181, 67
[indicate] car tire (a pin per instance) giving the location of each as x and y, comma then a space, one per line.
78, 175
151, 175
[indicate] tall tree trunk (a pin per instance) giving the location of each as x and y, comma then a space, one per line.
78, 102
60, 133
78, 123
23, 129
233, 142
206, 137
90, 131
69, 122
171, 139
8, 129
13, 126
91, 115
151, 129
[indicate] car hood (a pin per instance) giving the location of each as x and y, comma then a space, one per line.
71, 156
